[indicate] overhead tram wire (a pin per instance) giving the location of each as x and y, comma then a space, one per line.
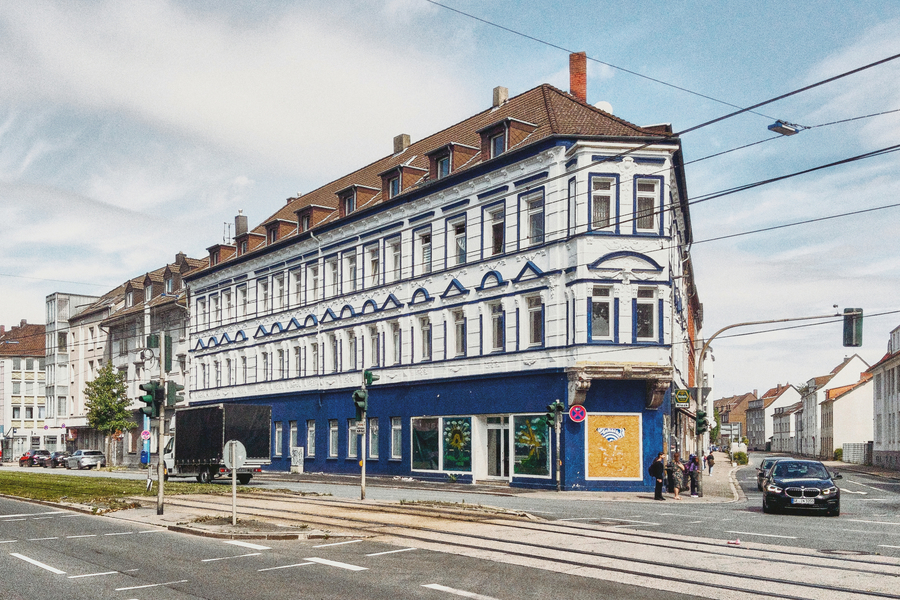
596, 60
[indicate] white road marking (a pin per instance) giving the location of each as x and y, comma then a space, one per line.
340, 565
5, 520
37, 563
41, 539
119, 533
55, 512
248, 545
864, 485
72, 537
41, 518
391, 552
786, 537
337, 544
8, 541
846, 491
153, 531
93, 574
886, 546
284, 567
582, 519
873, 522
230, 557
463, 593
139, 587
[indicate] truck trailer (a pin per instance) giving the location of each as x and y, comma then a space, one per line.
197, 448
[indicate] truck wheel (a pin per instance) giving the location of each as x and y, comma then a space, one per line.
203, 476
244, 479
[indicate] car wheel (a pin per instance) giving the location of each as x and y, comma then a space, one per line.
244, 479
203, 476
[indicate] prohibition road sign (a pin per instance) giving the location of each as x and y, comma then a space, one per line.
577, 413
145, 435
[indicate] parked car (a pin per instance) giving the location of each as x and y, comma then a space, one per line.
801, 485
30, 458
85, 459
763, 469
55, 459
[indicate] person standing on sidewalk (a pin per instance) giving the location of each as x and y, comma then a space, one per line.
677, 471
657, 470
693, 468
710, 461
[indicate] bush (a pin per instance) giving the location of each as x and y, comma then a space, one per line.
839, 454
741, 458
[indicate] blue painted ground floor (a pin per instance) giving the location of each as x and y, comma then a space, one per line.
474, 429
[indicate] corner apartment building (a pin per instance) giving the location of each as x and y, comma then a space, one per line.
536, 251
22, 398
760, 412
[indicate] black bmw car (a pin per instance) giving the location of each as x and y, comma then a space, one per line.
802, 485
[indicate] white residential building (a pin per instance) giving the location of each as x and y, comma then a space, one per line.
814, 393
886, 404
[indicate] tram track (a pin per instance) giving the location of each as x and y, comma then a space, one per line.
634, 557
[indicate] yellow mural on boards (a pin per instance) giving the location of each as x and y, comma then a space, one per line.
614, 446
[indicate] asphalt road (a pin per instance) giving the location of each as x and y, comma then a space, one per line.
49, 553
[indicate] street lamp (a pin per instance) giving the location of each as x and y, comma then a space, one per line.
785, 128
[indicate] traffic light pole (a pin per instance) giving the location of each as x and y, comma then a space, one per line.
160, 443
362, 451
558, 426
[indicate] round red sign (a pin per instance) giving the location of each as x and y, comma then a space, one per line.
577, 413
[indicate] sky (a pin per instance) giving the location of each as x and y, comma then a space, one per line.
130, 131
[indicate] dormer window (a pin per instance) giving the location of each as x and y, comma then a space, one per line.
129, 299
305, 222
273, 235
348, 204
170, 282
498, 144
244, 246
443, 166
393, 187
148, 293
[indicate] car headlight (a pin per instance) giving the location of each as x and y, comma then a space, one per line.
774, 488
829, 491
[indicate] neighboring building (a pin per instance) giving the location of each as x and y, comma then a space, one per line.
847, 416
812, 396
732, 410
761, 410
886, 404
533, 252
784, 436
152, 304
22, 379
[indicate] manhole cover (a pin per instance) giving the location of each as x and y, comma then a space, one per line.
846, 552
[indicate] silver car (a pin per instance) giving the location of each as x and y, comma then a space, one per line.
85, 459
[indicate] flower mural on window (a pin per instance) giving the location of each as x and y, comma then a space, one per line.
532, 455
458, 444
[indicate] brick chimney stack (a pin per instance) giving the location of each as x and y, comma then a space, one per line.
578, 75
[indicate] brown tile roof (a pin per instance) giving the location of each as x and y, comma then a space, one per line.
553, 111
23, 340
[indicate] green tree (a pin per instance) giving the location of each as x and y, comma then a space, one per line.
714, 434
107, 405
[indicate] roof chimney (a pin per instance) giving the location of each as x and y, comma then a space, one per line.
501, 95
578, 75
240, 224
401, 143
2, 329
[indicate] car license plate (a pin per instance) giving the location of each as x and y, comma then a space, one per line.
803, 500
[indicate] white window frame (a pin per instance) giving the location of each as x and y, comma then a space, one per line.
396, 342
333, 438
312, 282
645, 298
650, 201
497, 330
396, 438
603, 196
279, 438
393, 250
352, 439
350, 271
425, 337
535, 308
534, 217
424, 251
373, 261
459, 332
372, 430
457, 242
602, 295
311, 438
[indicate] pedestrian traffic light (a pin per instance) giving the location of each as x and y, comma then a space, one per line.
361, 401
553, 409
702, 422
151, 398
853, 323
369, 377
172, 395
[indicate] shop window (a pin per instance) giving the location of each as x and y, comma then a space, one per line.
532, 445
396, 438
457, 438
425, 444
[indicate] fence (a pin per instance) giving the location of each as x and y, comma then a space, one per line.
858, 454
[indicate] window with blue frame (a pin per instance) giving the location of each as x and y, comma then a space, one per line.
645, 315
535, 308
601, 305
498, 327
532, 445
534, 217
647, 214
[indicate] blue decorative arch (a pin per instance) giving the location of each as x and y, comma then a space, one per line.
226, 339
529, 271
293, 324
370, 304
652, 265
310, 320
454, 289
261, 331
328, 316
491, 279
200, 345
420, 295
276, 328
347, 311
392, 301
240, 336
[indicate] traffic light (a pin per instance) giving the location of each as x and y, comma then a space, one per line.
172, 395
369, 376
152, 398
553, 409
361, 400
853, 319
702, 422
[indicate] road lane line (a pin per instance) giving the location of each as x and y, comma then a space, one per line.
55, 512
119, 533
72, 537
284, 567
153, 531
340, 565
140, 587
230, 557
41, 539
785, 537
391, 552
92, 574
5, 520
864, 485
248, 545
37, 563
873, 522
455, 592
886, 546
337, 544
41, 518
8, 541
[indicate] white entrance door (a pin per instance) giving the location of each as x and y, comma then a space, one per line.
498, 447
